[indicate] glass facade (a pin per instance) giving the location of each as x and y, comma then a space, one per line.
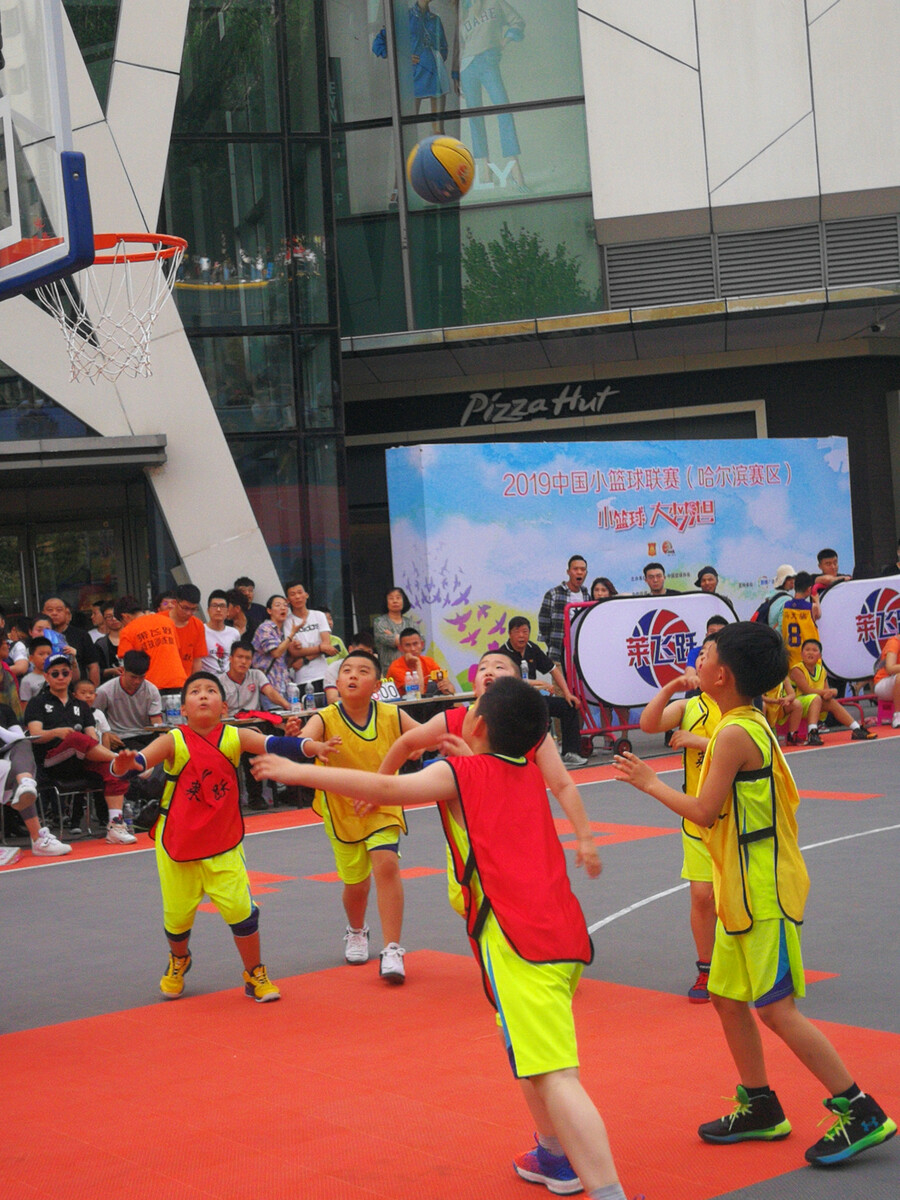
506, 80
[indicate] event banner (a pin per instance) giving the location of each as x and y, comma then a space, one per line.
479, 532
858, 616
625, 650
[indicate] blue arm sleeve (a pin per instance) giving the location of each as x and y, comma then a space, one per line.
287, 747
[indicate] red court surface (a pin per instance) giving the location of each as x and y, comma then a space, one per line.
348, 1088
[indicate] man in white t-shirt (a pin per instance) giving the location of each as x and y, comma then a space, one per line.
219, 637
311, 644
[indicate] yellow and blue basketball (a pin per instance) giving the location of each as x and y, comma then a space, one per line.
440, 169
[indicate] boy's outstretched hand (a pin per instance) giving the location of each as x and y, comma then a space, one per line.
632, 770
586, 856
325, 749
272, 766
452, 746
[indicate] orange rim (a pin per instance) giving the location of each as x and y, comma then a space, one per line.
166, 245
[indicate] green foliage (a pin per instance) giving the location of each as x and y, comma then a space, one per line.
514, 276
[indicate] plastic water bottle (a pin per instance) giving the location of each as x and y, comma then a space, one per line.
128, 815
412, 685
525, 672
292, 691
309, 697
173, 712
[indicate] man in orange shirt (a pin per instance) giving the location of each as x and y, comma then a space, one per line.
412, 659
188, 628
153, 633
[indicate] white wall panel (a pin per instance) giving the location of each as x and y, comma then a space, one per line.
143, 145
790, 161
644, 128
755, 81
151, 33
666, 25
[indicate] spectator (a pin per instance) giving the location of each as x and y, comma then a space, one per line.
153, 633
256, 614
809, 680
799, 616
551, 618
335, 640
219, 637
244, 687
9, 688
270, 644
602, 588
655, 579
189, 632
413, 660
828, 570
65, 744
17, 630
60, 616
39, 650
98, 620
18, 787
566, 706
130, 701
236, 613
784, 585
311, 644
887, 677
388, 626
107, 647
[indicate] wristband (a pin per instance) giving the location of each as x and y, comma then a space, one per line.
303, 742
130, 774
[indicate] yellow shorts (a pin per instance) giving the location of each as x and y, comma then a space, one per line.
222, 877
534, 1005
805, 702
352, 858
697, 865
760, 966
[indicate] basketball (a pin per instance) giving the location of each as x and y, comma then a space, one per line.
440, 169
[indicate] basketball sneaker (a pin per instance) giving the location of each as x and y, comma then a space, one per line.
258, 986
391, 967
553, 1171
862, 734
172, 983
754, 1118
699, 993
814, 738
356, 945
48, 846
858, 1125
117, 833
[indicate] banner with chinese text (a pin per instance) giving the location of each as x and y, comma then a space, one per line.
858, 616
480, 532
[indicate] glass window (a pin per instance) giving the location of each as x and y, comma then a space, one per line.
517, 53
226, 198
360, 84
529, 260
317, 382
94, 26
365, 171
303, 84
426, 58
435, 264
228, 70
28, 415
268, 470
517, 154
308, 265
370, 276
249, 380
325, 526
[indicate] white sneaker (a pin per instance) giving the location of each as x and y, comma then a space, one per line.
117, 833
27, 787
48, 846
356, 947
392, 968
574, 760
895, 721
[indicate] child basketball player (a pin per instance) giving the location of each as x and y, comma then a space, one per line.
810, 679
200, 830
513, 873
746, 806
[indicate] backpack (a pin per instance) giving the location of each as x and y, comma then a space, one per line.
762, 613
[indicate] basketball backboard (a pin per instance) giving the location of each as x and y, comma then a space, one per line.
45, 214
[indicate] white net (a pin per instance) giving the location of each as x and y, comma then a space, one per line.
106, 311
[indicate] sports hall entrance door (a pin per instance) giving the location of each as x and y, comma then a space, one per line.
76, 561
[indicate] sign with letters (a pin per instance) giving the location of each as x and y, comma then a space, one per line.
858, 617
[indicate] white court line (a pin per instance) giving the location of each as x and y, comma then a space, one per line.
623, 912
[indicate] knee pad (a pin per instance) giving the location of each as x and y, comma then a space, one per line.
177, 937
248, 926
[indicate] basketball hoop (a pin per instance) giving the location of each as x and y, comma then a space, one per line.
106, 311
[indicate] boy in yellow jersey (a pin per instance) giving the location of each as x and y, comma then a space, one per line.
693, 719
746, 806
525, 926
811, 681
799, 617
200, 830
782, 701
361, 731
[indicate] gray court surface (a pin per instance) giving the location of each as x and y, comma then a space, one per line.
83, 938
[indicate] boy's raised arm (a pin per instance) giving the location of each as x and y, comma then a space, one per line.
559, 781
435, 784
413, 741
661, 714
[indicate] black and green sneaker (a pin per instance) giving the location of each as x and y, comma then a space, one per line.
858, 1125
754, 1118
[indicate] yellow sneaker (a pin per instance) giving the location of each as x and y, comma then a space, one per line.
172, 983
258, 986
